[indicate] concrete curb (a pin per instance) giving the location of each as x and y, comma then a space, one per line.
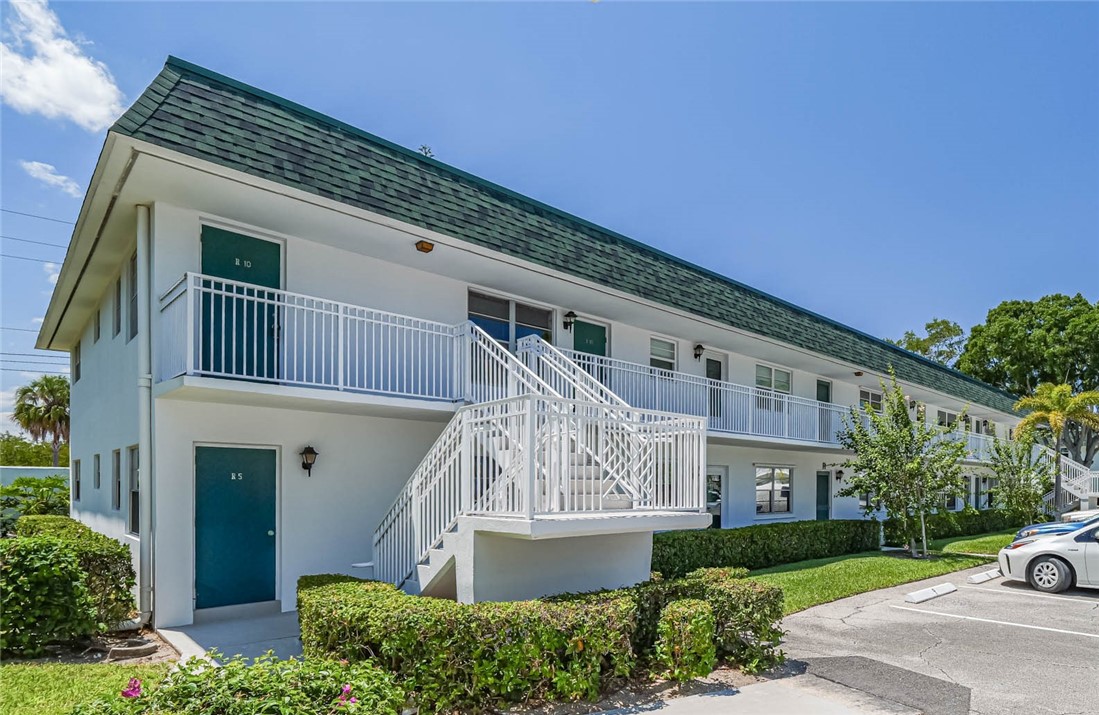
926, 594
984, 576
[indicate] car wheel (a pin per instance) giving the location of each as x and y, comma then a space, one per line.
1050, 574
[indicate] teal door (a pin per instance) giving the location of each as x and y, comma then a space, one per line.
234, 526
824, 496
589, 338
240, 323
715, 371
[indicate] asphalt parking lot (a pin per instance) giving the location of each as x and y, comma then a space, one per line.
997, 648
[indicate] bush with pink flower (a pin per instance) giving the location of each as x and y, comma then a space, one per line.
241, 687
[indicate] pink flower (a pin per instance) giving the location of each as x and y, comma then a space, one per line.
133, 689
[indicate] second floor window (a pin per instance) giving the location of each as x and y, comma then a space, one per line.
76, 362
131, 281
870, 399
773, 379
947, 419
661, 353
116, 314
95, 327
507, 320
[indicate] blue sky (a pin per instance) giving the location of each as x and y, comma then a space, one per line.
880, 163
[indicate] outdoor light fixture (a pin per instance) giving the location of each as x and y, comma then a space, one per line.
698, 351
570, 320
308, 459
839, 475
858, 373
425, 246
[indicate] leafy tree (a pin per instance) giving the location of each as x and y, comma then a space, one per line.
943, 341
1051, 409
33, 495
42, 409
16, 450
906, 464
1023, 344
1022, 478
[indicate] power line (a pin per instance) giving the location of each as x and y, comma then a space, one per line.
21, 330
34, 354
44, 218
37, 372
40, 243
33, 362
25, 258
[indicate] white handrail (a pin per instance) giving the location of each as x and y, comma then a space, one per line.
571, 380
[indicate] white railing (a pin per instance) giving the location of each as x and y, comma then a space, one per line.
563, 373
728, 407
537, 455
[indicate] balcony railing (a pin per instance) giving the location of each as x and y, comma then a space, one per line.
732, 408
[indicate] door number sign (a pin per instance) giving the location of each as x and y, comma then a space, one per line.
236, 476
245, 262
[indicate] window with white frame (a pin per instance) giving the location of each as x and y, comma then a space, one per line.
76, 480
773, 490
662, 353
131, 314
116, 312
507, 320
774, 379
76, 362
116, 480
132, 483
95, 472
96, 327
945, 418
870, 399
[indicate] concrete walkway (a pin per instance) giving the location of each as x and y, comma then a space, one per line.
249, 637
801, 694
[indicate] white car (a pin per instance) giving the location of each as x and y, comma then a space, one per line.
1054, 563
1080, 515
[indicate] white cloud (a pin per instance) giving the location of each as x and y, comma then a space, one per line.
53, 270
47, 174
47, 73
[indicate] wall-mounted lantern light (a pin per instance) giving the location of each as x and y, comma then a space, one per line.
839, 475
308, 459
698, 351
425, 246
570, 320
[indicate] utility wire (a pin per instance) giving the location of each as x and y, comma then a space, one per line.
33, 362
40, 243
29, 215
32, 354
22, 330
27, 369
25, 258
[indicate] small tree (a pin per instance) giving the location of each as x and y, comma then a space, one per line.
1022, 478
906, 464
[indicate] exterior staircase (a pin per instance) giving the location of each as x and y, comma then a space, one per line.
1079, 486
542, 450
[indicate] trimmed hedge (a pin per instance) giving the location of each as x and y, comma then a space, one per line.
455, 656
43, 598
264, 685
685, 639
945, 524
458, 656
106, 562
676, 553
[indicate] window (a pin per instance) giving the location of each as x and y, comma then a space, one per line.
865, 500
76, 362
870, 399
661, 353
95, 327
116, 322
824, 391
135, 503
131, 281
947, 419
715, 477
773, 490
507, 321
95, 472
774, 379
76, 480
116, 480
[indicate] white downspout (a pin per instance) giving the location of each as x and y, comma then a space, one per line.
144, 417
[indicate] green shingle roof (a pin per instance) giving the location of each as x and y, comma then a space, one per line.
203, 114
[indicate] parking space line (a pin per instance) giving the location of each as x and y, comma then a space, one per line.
999, 623
1014, 592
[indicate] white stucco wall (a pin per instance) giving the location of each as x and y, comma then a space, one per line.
9, 473
511, 569
326, 521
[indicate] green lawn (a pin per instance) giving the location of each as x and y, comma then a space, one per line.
809, 583
981, 544
54, 689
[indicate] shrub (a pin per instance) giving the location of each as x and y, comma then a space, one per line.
107, 563
676, 553
32, 495
685, 639
945, 524
43, 597
458, 656
267, 685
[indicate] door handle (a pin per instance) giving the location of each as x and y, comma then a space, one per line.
270, 532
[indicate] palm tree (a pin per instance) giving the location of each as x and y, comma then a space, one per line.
1053, 407
42, 409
